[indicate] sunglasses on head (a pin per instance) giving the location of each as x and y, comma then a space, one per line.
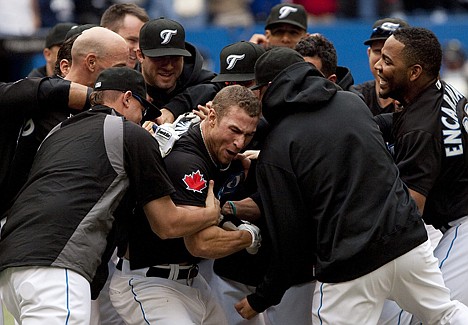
385, 30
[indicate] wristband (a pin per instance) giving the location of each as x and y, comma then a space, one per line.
233, 208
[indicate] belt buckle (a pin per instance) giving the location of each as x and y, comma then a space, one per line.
193, 270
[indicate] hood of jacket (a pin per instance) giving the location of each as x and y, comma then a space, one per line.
344, 78
193, 72
298, 88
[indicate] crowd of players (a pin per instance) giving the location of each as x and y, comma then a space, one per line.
332, 203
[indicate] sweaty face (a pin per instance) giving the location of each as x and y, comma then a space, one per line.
130, 31
285, 35
162, 72
392, 71
230, 134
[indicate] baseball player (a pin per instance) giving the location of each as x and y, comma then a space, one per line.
430, 144
312, 183
56, 231
285, 26
162, 285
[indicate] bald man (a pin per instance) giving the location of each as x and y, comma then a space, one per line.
94, 50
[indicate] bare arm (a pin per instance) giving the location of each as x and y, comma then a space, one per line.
170, 221
420, 200
77, 96
215, 242
246, 209
259, 39
244, 309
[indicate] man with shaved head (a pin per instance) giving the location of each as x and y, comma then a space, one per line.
94, 50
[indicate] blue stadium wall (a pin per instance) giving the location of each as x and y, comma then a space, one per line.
346, 35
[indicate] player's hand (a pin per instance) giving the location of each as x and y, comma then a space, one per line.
245, 161
202, 111
148, 126
244, 309
256, 237
166, 117
212, 204
259, 39
251, 154
229, 222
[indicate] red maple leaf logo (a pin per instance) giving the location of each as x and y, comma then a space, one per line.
195, 181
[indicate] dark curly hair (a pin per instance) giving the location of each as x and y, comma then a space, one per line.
319, 45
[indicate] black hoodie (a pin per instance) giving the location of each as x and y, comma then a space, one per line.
334, 204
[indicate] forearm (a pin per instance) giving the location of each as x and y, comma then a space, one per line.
419, 199
170, 221
215, 242
78, 97
245, 209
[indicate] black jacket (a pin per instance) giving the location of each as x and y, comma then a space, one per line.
344, 78
335, 206
17, 101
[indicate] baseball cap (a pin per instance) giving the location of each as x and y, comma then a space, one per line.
57, 34
272, 62
123, 79
287, 13
78, 29
383, 28
161, 37
237, 61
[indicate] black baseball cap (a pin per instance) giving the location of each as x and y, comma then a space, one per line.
75, 30
272, 62
57, 34
124, 79
287, 13
161, 37
237, 61
383, 28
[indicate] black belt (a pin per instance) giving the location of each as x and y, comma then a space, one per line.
184, 274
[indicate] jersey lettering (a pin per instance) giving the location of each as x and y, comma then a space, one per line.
465, 118
451, 130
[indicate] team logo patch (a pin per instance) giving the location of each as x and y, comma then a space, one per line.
232, 59
195, 182
285, 11
167, 34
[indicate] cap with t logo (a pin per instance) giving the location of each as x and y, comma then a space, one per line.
287, 13
163, 37
237, 62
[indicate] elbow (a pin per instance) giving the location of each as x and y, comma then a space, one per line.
166, 232
197, 248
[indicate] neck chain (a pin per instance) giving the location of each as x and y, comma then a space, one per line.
206, 147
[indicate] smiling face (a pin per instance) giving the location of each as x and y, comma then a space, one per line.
161, 72
130, 31
226, 136
374, 52
392, 70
